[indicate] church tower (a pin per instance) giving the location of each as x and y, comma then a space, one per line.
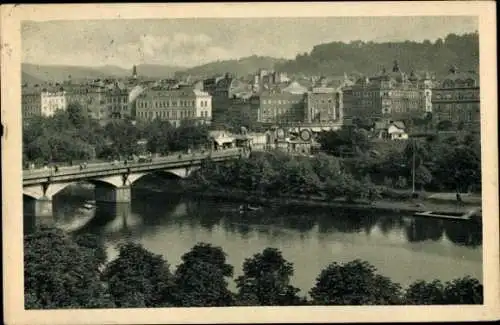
134, 72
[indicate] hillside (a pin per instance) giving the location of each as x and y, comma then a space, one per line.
157, 70
34, 73
58, 73
241, 67
368, 58
29, 79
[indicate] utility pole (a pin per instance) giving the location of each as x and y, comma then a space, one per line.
413, 167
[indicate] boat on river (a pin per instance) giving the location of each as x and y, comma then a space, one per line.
248, 208
473, 214
88, 205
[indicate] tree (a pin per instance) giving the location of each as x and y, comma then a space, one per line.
201, 284
76, 115
96, 247
200, 279
209, 254
425, 293
266, 280
58, 273
460, 291
139, 278
422, 176
354, 283
463, 291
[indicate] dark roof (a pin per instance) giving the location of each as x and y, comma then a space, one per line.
462, 76
399, 124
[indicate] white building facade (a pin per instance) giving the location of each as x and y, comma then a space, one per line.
53, 101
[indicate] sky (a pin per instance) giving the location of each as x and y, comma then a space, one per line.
191, 42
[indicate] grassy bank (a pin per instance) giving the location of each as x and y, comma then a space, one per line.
402, 203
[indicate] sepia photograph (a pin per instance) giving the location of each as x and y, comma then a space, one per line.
194, 157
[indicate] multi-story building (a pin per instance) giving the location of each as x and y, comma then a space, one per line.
388, 95
31, 101
457, 99
228, 95
53, 99
90, 97
323, 105
282, 107
174, 105
117, 102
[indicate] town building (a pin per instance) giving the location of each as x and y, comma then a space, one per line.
90, 96
174, 105
456, 99
264, 78
389, 95
281, 106
42, 100
230, 99
117, 101
393, 130
53, 100
31, 101
324, 102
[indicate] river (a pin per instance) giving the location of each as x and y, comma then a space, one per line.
401, 247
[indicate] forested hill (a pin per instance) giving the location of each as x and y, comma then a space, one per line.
337, 58
239, 68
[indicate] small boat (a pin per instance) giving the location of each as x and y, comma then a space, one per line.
248, 207
469, 215
88, 205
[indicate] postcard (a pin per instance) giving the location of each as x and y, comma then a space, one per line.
249, 163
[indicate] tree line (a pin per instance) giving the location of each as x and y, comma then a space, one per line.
358, 57
71, 135
350, 168
279, 174
64, 271
441, 162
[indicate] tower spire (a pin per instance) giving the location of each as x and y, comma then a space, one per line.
134, 72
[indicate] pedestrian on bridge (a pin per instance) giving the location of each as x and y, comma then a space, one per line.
56, 169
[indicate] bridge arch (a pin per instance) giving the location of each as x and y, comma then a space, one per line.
177, 174
47, 191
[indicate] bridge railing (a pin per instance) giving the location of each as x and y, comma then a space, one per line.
106, 169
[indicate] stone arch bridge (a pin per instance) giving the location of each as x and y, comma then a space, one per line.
112, 181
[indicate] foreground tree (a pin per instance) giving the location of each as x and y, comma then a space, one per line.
463, 291
95, 246
139, 278
58, 273
266, 281
354, 283
200, 279
425, 293
460, 291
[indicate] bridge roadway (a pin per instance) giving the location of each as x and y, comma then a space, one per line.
112, 180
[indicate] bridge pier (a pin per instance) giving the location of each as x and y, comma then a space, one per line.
111, 194
37, 212
38, 207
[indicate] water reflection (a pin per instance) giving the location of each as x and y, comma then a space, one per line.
310, 237
471, 236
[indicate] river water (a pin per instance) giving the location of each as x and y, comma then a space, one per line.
401, 247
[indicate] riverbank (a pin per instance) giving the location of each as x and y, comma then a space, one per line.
425, 203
